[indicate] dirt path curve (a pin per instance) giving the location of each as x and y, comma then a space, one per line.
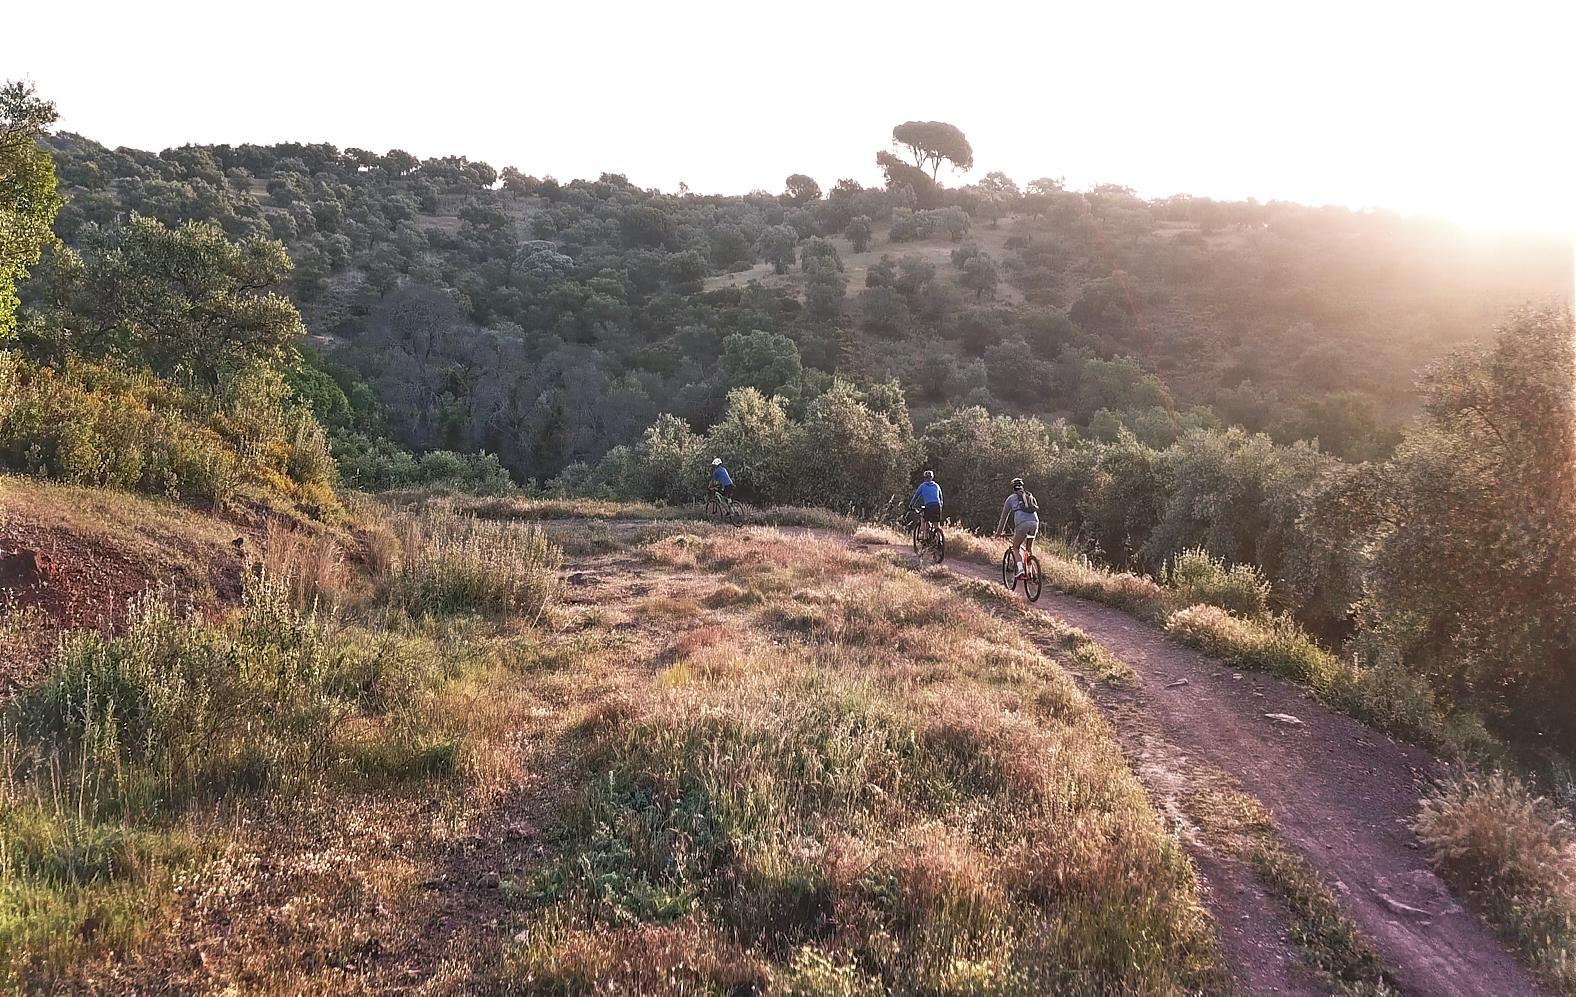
1341, 793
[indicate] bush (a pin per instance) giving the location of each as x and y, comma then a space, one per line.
375, 463
454, 564
1240, 589
1514, 855
93, 424
176, 708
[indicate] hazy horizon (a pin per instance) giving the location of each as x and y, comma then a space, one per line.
1406, 109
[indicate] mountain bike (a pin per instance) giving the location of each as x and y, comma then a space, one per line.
933, 546
1031, 574
723, 507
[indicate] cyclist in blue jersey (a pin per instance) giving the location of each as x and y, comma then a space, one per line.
927, 500
721, 480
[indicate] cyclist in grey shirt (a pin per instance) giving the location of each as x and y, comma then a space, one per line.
1023, 513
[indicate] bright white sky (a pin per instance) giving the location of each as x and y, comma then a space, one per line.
1463, 110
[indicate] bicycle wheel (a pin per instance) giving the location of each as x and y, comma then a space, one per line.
733, 514
1009, 571
938, 546
1031, 584
913, 538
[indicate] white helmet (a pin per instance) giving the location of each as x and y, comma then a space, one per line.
716, 462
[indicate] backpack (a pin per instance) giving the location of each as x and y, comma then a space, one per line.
1029, 503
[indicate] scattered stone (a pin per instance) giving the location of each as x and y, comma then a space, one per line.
1179, 683
581, 578
1284, 718
488, 880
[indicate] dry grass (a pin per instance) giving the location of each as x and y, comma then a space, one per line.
311, 567
1048, 632
851, 781
165, 539
140, 759
1513, 854
454, 563
547, 509
1066, 571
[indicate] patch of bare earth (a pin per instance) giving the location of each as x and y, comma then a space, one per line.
80, 556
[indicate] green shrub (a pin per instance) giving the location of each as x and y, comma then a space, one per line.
1240, 589
378, 464
94, 424
176, 708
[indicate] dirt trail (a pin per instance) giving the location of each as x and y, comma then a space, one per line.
1341, 793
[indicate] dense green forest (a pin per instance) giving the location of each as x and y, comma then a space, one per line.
463, 308
260, 322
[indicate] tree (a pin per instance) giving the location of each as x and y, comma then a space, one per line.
980, 274
1119, 384
399, 162
931, 143
1470, 558
777, 245
645, 225
882, 273
978, 455
187, 303
1042, 194
28, 201
858, 232
801, 189
998, 194
753, 437
729, 247
885, 312
901, 175
1131, 488
822, 251
763, 360
516, 182
847, 456
824, 289
916, 274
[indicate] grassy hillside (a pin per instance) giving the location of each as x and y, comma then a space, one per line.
750, 759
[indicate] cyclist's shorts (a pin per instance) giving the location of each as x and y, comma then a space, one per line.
933, 512
1024, 532
727, 490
